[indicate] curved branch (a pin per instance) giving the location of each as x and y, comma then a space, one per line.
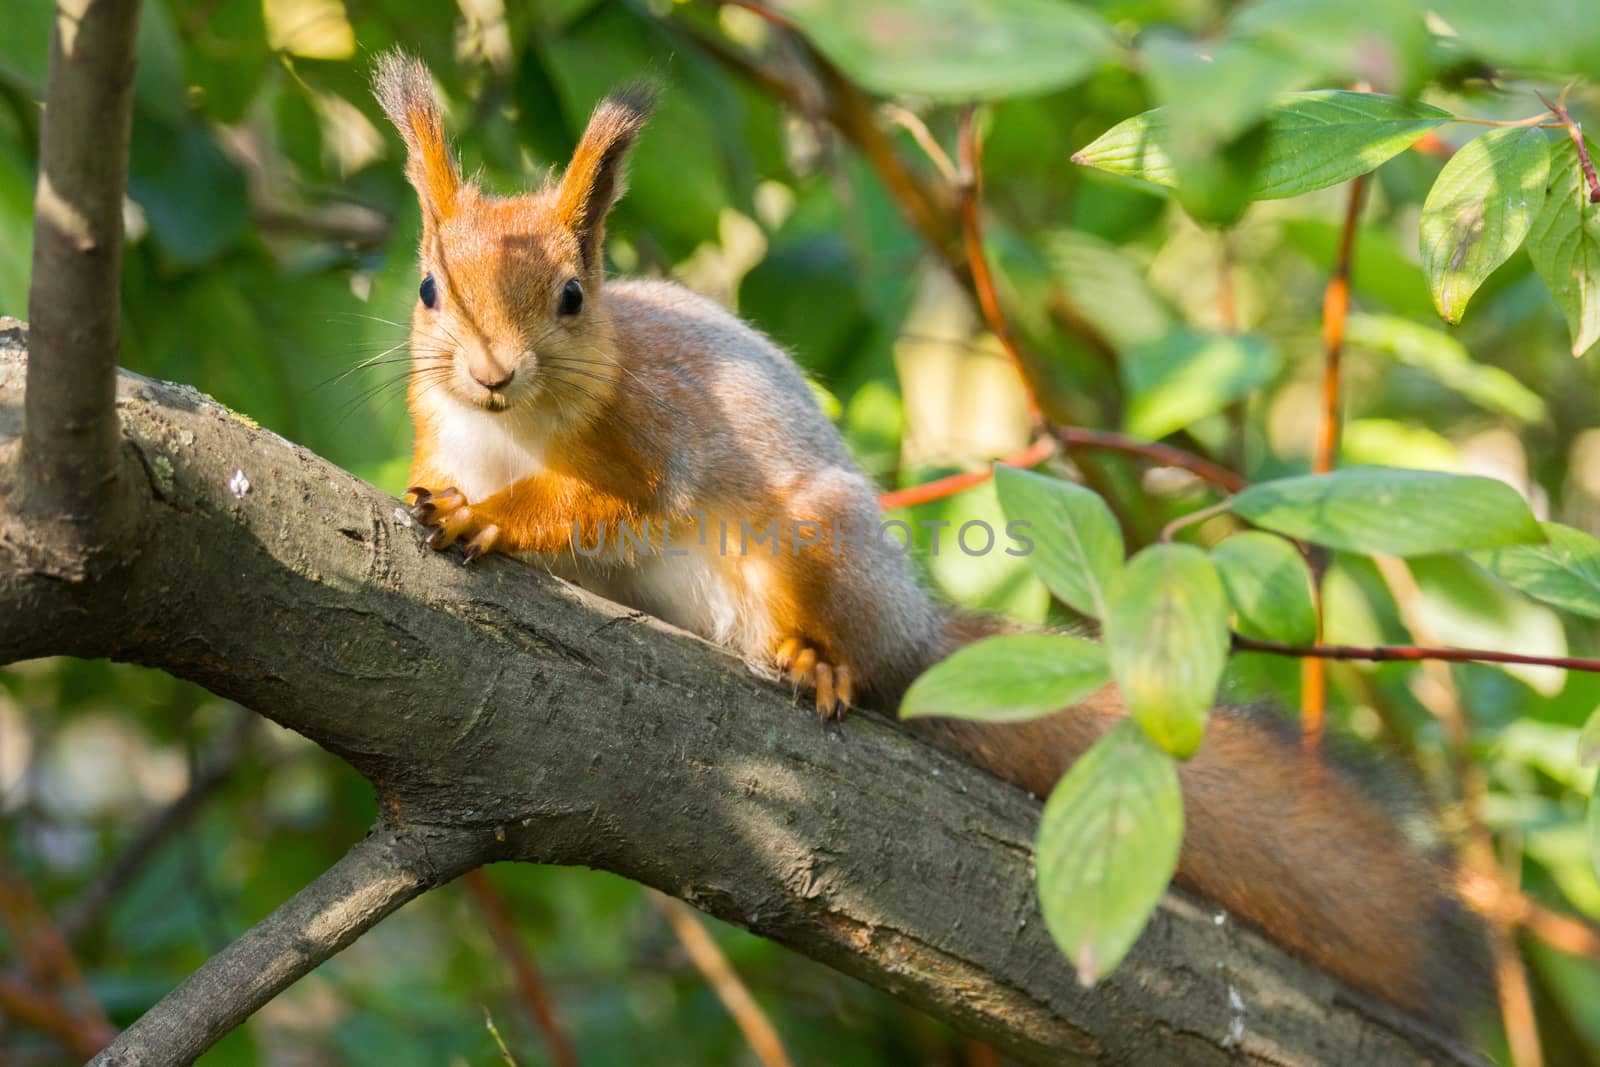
69, 440
568, 730
384, 870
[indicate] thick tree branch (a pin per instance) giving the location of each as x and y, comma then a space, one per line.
69, 440
387, 868
565, 729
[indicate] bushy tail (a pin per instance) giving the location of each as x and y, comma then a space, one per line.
1295, 845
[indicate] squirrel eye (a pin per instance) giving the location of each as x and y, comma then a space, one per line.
429, 291
571, 298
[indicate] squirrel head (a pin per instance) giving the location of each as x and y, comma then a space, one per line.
509, 309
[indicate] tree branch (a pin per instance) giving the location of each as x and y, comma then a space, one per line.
387, 868
499, 700
69, 440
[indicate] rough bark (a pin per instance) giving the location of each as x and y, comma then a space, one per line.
539, 723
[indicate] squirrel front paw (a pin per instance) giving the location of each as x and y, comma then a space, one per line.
831, 682
451, 518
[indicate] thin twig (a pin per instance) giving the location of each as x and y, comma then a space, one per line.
508, 939
1574, 130
1162, 454
1335, 314
1183, 522
943, 488
912, 124
970, 151
1409, 654
758, 1030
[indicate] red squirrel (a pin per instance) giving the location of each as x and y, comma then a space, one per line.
554, 407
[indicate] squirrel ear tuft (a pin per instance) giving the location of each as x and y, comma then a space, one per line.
404, 89
594, 179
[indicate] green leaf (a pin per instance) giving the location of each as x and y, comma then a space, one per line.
1077, 548
1564, 571
1009, 678
1314, 140
1187, 375
1478, 212
1106, 286
1392, 510
1167, 639
957, 49
1564, 245
1589, 741
1557, 36
1107, 849
1446, 360
1593, 827
1269, 585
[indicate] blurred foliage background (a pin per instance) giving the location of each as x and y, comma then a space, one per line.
272, 248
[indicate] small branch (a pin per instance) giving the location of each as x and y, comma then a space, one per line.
1335, 313
384, 870
508, 939
69, 437
942, 488
970, 151
758, 1030
1408, 654
1183, 522
1574, 130
1165, 455
926, 141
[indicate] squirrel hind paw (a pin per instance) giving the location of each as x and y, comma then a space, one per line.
800, 663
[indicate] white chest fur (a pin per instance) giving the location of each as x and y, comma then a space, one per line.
486, 451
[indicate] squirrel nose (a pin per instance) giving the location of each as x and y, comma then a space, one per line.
493, 377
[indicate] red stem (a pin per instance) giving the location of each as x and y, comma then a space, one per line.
1409, 654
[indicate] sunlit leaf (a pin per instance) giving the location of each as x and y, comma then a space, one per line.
1392, 510
1589, 741
1077, 546
1479, 210
1447, 361
1564, 571
1167, 639
1269, 586
1009, 678
1187, 375
1107, 848
1564, 245
957, 49
1314, 140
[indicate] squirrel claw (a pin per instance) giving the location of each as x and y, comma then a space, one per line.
832, 683
481, 542
450, 518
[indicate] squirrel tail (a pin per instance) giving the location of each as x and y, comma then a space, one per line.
1294, 844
